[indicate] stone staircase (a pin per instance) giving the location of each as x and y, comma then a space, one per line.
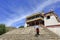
29, 34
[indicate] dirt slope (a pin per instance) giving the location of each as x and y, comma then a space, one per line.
29, 34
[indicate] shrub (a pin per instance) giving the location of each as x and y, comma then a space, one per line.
2, 29
21, 27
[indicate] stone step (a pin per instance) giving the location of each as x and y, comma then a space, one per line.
29, 34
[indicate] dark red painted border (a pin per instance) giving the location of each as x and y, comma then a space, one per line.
54, 26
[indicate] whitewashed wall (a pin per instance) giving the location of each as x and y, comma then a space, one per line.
51, 21
25, 25
56, 30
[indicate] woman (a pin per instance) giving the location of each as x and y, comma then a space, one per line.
37, 29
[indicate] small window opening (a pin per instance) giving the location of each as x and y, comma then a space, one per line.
48, 17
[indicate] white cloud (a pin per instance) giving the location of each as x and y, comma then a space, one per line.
46, 3
39, 8
15, 20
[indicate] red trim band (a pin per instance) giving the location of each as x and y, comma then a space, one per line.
54, 26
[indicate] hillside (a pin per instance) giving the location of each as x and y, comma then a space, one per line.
29, 34
10, 28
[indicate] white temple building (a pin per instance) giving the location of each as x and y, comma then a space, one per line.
49, 20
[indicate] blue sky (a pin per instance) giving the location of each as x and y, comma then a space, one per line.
14, 12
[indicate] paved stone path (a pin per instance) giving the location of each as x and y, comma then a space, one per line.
29, 34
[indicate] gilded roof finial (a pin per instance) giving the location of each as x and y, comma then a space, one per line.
51, 9
42, 12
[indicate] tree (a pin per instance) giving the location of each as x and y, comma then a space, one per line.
21, 27
2, 29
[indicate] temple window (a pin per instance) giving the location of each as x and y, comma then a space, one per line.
48, 17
